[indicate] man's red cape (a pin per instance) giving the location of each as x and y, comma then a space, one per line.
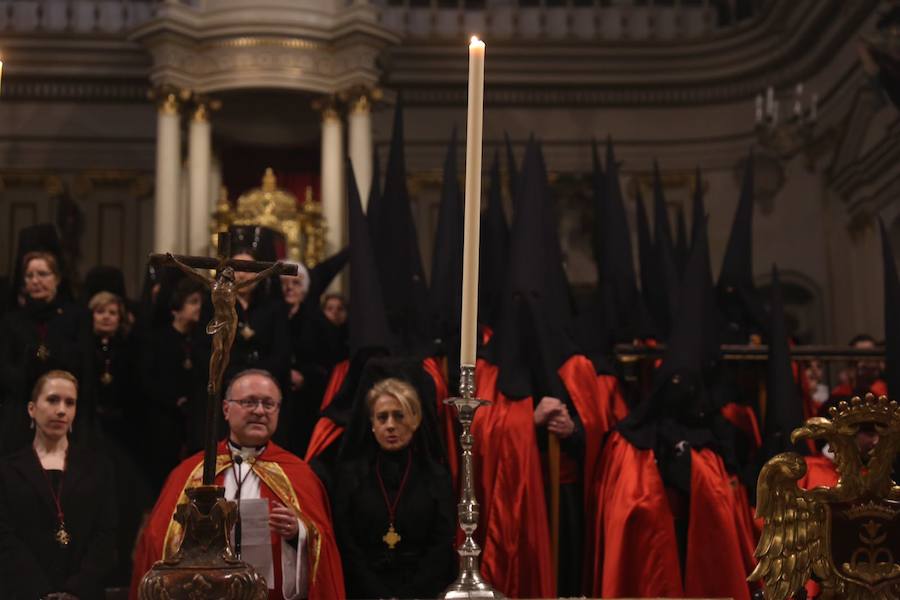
324, 571
514, 531
326, 431
631, 547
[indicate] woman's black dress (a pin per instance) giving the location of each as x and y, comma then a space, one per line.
37, 338
32, 563
421, 565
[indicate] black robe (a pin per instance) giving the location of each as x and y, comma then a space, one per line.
262, 340
53, 325
421, 565
317, 346
32, 563
175, 370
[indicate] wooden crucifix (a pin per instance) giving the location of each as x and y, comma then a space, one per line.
223, 291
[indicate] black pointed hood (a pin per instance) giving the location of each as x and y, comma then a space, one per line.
397, 252
698, 210
648, 265
445, 295
678, 408
494, 253
598, 195
374, 192
557, 284
738, 300
617, 272
530, 342
662, 229
367, 319
681, 243
891, 315
784, 411
512, 172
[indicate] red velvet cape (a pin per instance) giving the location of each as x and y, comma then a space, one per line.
325, 576
632, 549
513, 530
326, 431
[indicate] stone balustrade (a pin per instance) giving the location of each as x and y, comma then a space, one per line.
563, 20
73, 16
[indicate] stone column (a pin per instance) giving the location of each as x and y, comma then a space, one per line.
359, 125
332, 174
199, 157
168, 166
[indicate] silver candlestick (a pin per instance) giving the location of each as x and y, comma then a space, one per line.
469, 583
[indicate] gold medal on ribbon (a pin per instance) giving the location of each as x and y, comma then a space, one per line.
187, 365
391, 538
43, 353
106, 378
62, 536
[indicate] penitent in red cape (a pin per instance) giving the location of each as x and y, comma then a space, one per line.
513, 530
285, 478
632, 546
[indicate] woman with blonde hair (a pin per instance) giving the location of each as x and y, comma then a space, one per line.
394, 507
57, 513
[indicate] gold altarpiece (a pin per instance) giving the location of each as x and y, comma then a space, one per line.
301, 224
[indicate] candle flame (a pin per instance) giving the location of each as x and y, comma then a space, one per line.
475, 42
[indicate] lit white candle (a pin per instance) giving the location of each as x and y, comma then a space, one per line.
469, 319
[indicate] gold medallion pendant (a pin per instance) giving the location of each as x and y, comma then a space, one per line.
62, 536
187, 365
391, 538
106, 378
43, 353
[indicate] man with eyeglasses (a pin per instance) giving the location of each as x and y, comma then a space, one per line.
305, 560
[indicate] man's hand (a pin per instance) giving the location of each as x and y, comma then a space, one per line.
547, 408
283, 521
561, 423
296, 379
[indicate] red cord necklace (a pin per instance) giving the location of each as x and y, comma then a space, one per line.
392, 538
62, 536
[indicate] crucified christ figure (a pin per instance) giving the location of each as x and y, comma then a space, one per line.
223, 327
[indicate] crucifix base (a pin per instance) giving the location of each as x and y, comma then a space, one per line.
205, 565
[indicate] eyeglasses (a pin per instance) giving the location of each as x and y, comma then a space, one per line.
38, 274
268, 404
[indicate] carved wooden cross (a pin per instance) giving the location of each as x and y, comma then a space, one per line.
223, 290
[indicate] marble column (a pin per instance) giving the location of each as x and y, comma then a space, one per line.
359, 125
199, 158
166, 227
332, 179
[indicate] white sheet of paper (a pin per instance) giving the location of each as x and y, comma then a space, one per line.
256, 538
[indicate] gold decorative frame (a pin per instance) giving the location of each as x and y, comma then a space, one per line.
303, 226
799, 539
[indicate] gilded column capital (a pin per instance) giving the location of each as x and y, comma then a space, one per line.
203, 106
330, 106
169, 99
360, 99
